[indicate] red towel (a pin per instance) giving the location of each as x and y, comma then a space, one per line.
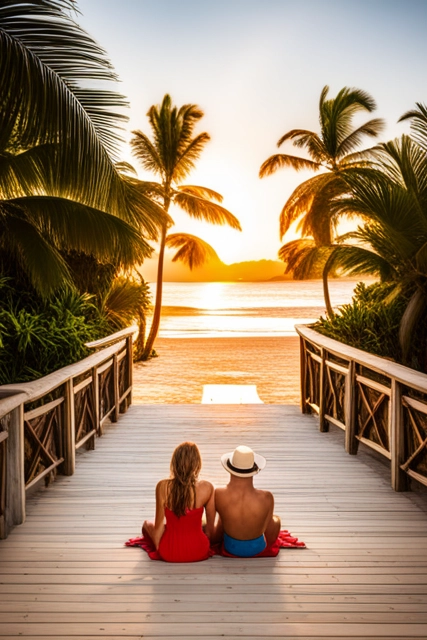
284, 541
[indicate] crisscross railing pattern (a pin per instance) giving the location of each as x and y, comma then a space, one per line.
43, 423
374, 400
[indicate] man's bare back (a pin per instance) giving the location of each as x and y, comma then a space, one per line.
245, 513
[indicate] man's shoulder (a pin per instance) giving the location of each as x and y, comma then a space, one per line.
267, 496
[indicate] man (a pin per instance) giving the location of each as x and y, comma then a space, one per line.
246, 517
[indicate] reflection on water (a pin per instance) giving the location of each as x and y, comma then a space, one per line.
245, 309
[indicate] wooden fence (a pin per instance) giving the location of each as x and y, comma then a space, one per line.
44, 422
374, 400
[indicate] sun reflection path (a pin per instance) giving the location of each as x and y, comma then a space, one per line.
230, 394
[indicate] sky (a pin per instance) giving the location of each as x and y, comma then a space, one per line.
256, 68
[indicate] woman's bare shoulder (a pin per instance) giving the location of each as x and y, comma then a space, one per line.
205, 484
162, 486
205, 487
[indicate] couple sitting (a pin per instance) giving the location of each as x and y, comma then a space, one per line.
245, 525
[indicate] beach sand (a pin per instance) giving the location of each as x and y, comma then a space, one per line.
184, 365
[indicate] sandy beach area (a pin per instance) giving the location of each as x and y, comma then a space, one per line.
184, 365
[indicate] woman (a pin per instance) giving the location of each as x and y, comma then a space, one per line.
177, 532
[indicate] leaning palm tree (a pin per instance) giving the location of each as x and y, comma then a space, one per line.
334, 152
171, 155
392, 244
59, 186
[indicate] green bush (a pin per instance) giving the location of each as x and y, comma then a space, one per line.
39, 336
370, 322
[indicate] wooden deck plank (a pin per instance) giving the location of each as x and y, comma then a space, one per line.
65, 573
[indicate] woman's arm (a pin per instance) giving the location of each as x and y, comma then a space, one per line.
155, 530
210, 511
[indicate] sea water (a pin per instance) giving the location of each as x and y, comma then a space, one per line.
245, 309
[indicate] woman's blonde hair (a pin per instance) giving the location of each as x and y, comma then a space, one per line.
186, 464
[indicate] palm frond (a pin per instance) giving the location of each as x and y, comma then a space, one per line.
307, 140
126, 168
355, 261
124, 301
173, 132
303, 258
201, 192
40, 260
72, 226
202, 209
188, 156
336, 116
300, 201
371, 128
42, 110
418, 119
280, 160
142, 209
145, 151
193, 251
47, 30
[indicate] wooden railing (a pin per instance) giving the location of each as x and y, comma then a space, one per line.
44, 422
375, 401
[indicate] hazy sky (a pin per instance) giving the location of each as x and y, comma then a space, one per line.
257, 67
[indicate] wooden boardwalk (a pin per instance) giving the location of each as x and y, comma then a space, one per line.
65, 573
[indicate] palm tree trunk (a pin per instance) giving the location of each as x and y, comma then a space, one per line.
155, 324
326, 295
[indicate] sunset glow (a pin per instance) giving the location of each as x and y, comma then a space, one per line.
257, 69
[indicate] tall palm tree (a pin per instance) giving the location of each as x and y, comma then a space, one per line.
334, 152
171, 155
59, 185
392, 244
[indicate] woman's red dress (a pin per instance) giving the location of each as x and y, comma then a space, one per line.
183, 539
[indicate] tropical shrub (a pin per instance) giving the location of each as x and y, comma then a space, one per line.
38, 336
371, 322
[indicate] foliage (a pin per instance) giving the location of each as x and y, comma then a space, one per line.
392, 198
38, 336
368, 322
334, 151
60, 189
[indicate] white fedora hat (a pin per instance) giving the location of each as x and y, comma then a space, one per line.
243, 462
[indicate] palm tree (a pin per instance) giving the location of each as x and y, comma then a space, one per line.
171, 155
334, 153
59, 186
392, 198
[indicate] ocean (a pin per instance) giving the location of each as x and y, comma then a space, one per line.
245, 309
232, 333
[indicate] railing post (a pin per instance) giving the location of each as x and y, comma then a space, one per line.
115, 414
95, 399
129, 359
399, 480
69, 463
303, 375
351, 442
15, 484
323, 424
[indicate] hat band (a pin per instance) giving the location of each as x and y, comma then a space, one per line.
237, 470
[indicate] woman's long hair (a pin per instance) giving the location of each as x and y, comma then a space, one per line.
186, 464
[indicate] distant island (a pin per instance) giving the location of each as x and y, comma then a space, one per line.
217, 271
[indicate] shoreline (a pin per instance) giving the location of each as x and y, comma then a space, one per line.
184, 365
